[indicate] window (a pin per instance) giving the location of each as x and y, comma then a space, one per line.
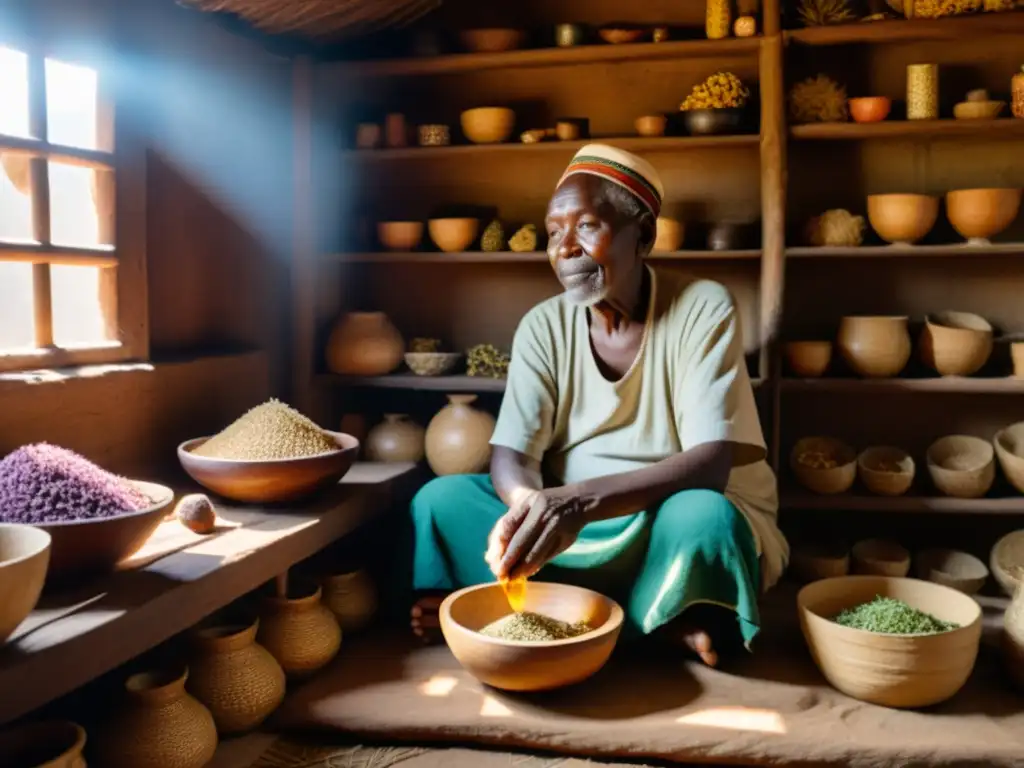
72, 275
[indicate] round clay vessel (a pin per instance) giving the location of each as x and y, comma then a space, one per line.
488, 125
298, 630
352, 598
961, 571
458, 438
902, 219
955, 343
879, 557
452, 235
400, 235
670, 235
1013, 640
1006, 557
886, 470
1009, 445
808, 359
962, 466
50, 744
870, 109
874, 347
24, 558
492, 39
979, 214
651, 125
395, 439
234, 677
160, 726
364, 344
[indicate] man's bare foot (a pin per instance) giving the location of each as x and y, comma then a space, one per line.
424, 619
698, 641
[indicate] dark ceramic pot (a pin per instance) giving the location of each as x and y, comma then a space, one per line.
713, 122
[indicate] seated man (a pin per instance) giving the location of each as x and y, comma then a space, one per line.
628, 446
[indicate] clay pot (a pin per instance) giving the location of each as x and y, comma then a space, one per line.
962, 466
651, 125
670, 235
453, 235
364, 344
488, 125
955, 343
236, 679
55, 744
979, 214
299, 631
808, 359
395, 439
24, 559
352, 598
400, 235
160, 726
1009, 446
458, 438
902, 219
874, 347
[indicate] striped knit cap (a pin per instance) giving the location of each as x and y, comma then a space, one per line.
623, 168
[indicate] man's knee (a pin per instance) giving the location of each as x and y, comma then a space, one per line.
700, 518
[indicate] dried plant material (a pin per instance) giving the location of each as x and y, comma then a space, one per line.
425, 345
999, 6
487, 361
196, 513
722, 90
525, 240
889, 616
936, 9
836, 228
533, 628
818, 100
817, 460
818, 13
718, 19
745, 26
269, 432
493, 238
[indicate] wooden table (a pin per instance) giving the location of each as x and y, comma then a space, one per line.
74, 637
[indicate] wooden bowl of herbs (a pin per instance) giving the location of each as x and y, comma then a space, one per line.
563, 636
895, 642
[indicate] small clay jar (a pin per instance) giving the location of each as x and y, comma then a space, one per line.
396, 439
352, 598
53, 744
238, 680
298, 630
364, 344
458, 438
874, 347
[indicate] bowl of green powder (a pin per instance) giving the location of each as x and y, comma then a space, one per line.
564, 635
271, 454
896, 642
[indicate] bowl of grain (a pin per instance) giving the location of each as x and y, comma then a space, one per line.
564, 635
886, 470
824, 465
271, 454
895, 642
1006, 561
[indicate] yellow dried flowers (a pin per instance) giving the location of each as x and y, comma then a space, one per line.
722, 90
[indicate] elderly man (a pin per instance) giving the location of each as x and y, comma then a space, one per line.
628, 446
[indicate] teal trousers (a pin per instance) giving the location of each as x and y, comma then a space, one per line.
695, 548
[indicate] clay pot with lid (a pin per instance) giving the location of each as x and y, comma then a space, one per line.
458, 438
876, 347
160, 726
364, 344
395, 439
53, 744
238, 680
298, 630
352, 598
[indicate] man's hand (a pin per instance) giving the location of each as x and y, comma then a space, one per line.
539, 527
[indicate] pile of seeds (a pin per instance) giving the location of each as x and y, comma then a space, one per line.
533, 628
892, 617
268, 432
44, 483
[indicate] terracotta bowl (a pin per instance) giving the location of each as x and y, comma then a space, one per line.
1006, 562
870, 109
492, 40
670, 235
400, 235
824, 480
431, 363
957, 570
620, 35
24, 557
453, 235
269, 482
962, 466
886, 470
48, 744
878, 557
979, 214
1009, 447
713, 122
902, 671
86, 547
522, 666
876, 347
811, 562
651, 125
902, 219
808, 359
488, 125
955, 343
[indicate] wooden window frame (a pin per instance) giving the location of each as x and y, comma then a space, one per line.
120, 198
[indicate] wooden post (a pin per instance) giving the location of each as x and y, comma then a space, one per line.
304, 237
39, 179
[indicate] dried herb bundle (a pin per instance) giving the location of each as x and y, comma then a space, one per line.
818, 13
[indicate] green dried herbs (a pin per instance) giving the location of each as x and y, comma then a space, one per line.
533, 628
524, 240
889, 616
493, 238
487, 361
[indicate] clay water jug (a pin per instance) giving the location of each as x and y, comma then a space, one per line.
364, 344
352, 598
298, 630
395, 439
874, 347
458, 438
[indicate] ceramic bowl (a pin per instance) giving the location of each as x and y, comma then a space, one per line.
808, 359
431, 363
955, 343
670, 235
886, 470
870, 109
523, 666
24, 557
47, 744
979, 214
902, 671
651, 125
978, 110
878, 557
902, 219
957, 570
620, 35
453, 235
1009, 447
809, 461
269, 482
400, 235
811, 562
962, 466
1006, 562
492, 40
876, 347
488, 125
711, 122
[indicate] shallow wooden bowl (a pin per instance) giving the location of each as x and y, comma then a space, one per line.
978, 110
979, 214
1006, 555
492, 40
808, 359
400, 235
46, 744
962, 466
886, 470
24, 557
869, 109
903, 671
902, 219
955, 343
522, 666
488, 125
830, 480
950, 568
453, 235
878, 557
269, 482
1009, 446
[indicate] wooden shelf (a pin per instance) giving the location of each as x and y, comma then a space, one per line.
510, 257
630, 143
458, 383
550, 57
907, 251
804, 500
906, 30
894, 129
945, 384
